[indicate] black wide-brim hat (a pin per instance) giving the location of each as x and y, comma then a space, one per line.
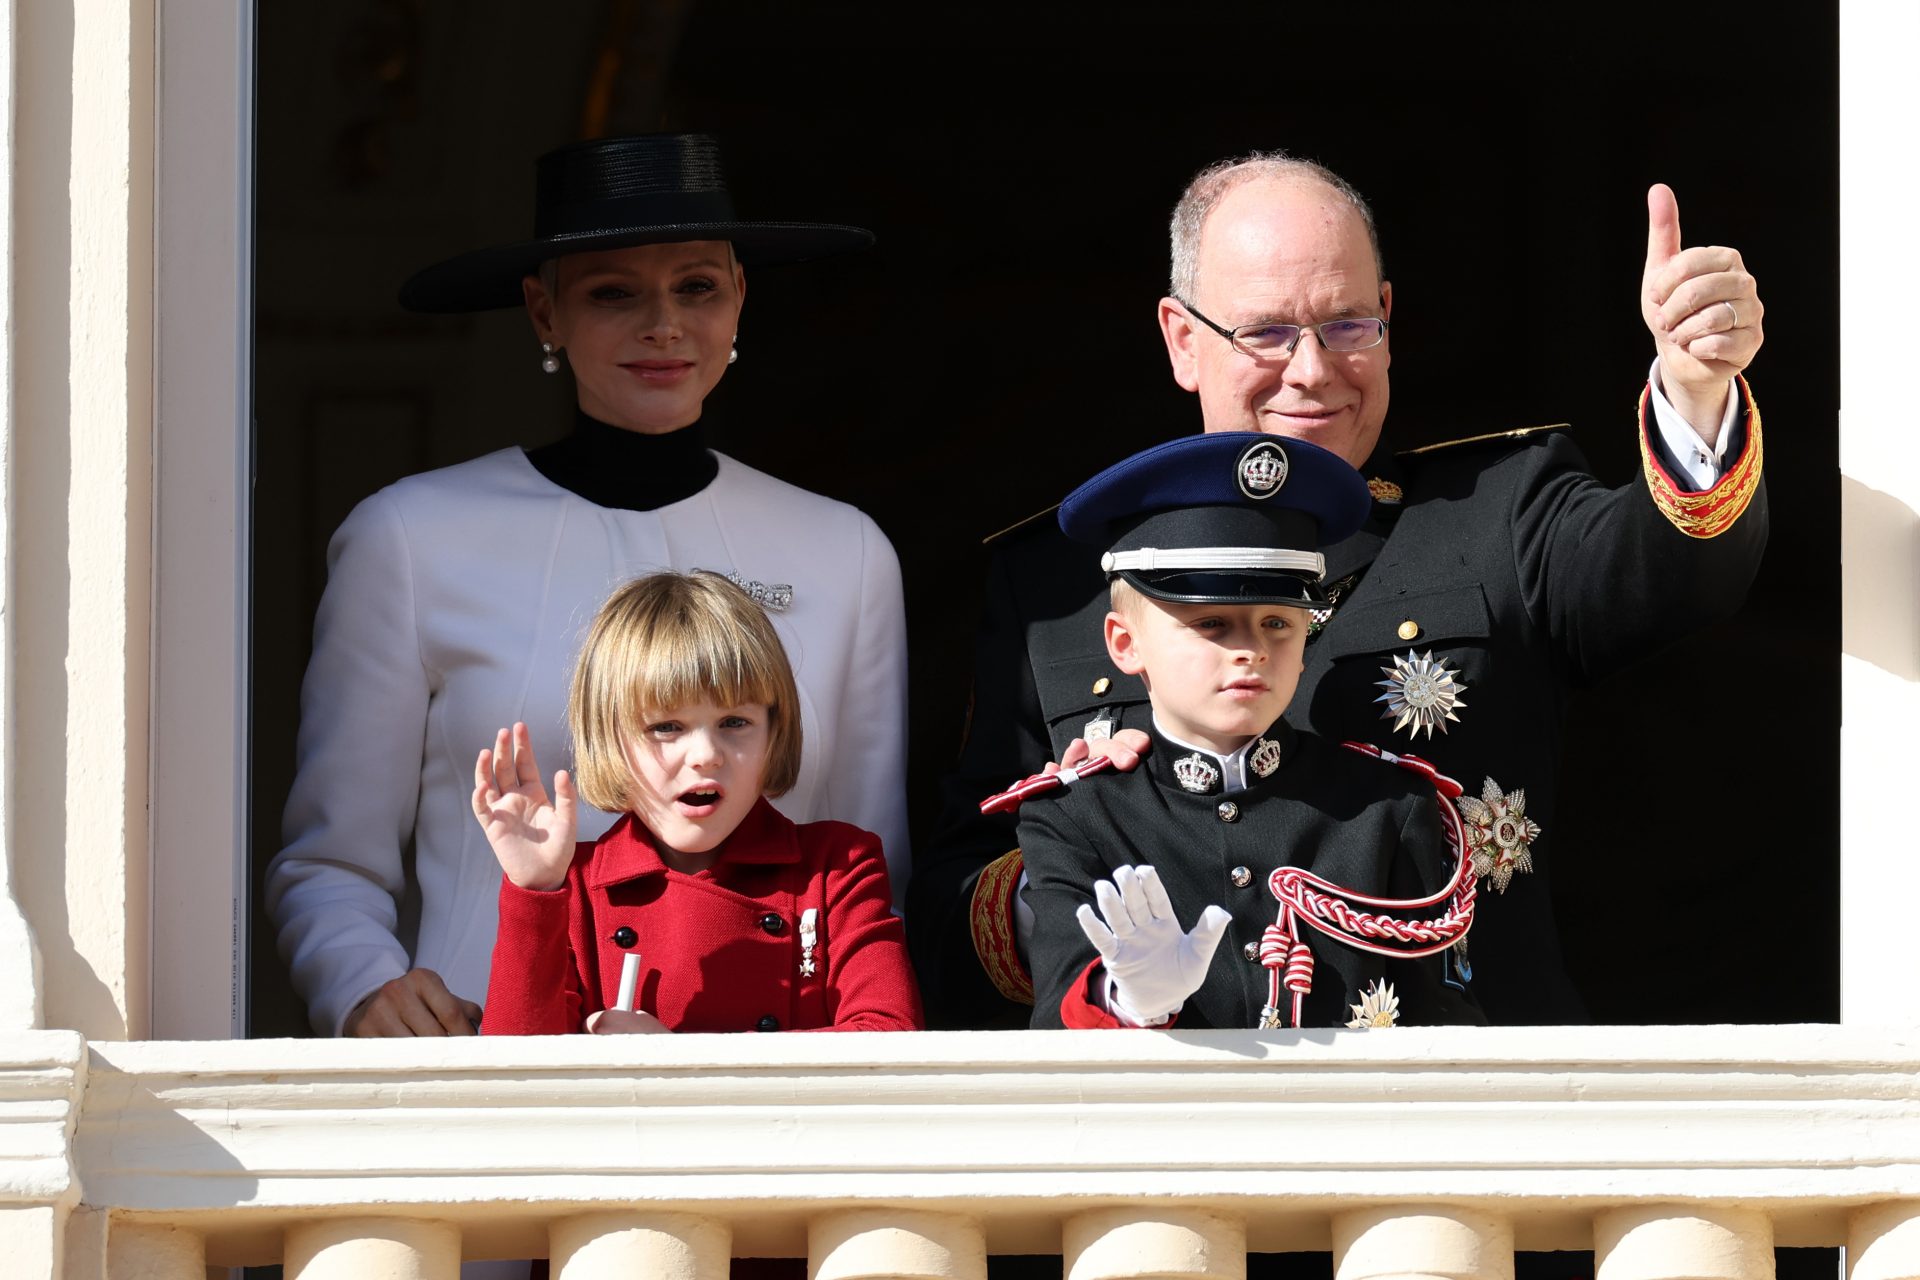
1230, 517
613, 193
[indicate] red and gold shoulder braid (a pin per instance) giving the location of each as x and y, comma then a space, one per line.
1709, 514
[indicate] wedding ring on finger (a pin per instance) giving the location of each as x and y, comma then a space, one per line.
1733, 312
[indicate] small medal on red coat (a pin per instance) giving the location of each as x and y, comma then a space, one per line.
809, 937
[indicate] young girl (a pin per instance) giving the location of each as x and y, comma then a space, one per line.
684, 716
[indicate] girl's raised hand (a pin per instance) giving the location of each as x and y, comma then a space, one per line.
532, 837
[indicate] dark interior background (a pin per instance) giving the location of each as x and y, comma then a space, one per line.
1018, 164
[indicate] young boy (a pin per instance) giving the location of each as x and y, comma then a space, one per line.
1211, 548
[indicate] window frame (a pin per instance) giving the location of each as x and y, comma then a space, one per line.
202, 458
203, 468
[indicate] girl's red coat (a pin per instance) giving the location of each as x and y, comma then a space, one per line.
721, 949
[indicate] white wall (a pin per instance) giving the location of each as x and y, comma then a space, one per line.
1880, 530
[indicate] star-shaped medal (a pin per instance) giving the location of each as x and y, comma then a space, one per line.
1500, 836
1420, 693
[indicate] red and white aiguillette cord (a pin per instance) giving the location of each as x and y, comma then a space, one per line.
1309, 899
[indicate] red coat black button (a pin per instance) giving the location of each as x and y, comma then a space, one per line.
769, 1022
624, 936
773, 924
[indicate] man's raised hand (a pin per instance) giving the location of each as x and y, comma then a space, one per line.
532, 837
1704, 312
1124, 748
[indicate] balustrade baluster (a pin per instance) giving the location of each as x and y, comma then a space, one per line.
373, 1249
1883, 1242
868, 1244
1146, 1244
1421, 1242
1683, 1242
623, 1245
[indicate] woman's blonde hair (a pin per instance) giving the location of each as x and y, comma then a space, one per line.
668, 640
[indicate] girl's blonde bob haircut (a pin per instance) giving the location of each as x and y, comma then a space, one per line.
671, 640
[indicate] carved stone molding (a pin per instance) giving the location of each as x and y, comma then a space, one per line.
1547, 1127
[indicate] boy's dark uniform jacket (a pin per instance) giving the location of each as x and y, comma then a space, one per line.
1504, 558
1360, 822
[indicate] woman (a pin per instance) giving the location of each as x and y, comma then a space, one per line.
455, 599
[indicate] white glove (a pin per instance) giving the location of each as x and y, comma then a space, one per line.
1152, 965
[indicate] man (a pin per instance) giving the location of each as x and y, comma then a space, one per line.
1495, 577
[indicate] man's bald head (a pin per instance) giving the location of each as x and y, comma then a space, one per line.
1278, 241
1214, 182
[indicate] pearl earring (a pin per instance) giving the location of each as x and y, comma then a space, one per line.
549, 362
733, 356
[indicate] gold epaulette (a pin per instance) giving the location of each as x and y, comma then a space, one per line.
1709, 514
992, 918
1519, 433
1019, 524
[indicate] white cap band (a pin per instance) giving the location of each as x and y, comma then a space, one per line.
1218, 559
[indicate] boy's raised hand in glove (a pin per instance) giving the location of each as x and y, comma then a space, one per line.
1152, 964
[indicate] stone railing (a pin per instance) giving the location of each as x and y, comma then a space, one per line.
1670, 1152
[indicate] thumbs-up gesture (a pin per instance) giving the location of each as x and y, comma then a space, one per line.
1704, 313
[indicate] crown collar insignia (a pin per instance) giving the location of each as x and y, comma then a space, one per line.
1196, 773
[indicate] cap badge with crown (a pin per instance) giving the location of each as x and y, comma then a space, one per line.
1262, 470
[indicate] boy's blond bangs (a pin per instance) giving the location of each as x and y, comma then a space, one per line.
665, 641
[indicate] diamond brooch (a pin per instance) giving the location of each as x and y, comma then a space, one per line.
774, 597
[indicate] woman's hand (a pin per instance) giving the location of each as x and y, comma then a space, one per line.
417, 1003
532, 837
626, 1022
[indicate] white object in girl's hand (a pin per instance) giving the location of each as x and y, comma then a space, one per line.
629, 981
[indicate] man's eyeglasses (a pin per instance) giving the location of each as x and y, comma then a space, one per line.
1269, 340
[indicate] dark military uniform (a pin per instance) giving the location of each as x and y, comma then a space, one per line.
1364, 824
1504, 558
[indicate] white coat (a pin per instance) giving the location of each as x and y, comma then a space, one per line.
455, 603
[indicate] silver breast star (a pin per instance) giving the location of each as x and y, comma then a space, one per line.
1420, 692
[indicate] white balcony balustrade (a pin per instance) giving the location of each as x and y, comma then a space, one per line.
1670, 1153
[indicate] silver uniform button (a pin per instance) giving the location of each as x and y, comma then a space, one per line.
1228, 811
1251, 951
1241, 877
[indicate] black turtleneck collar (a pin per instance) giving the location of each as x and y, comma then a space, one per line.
627, 470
